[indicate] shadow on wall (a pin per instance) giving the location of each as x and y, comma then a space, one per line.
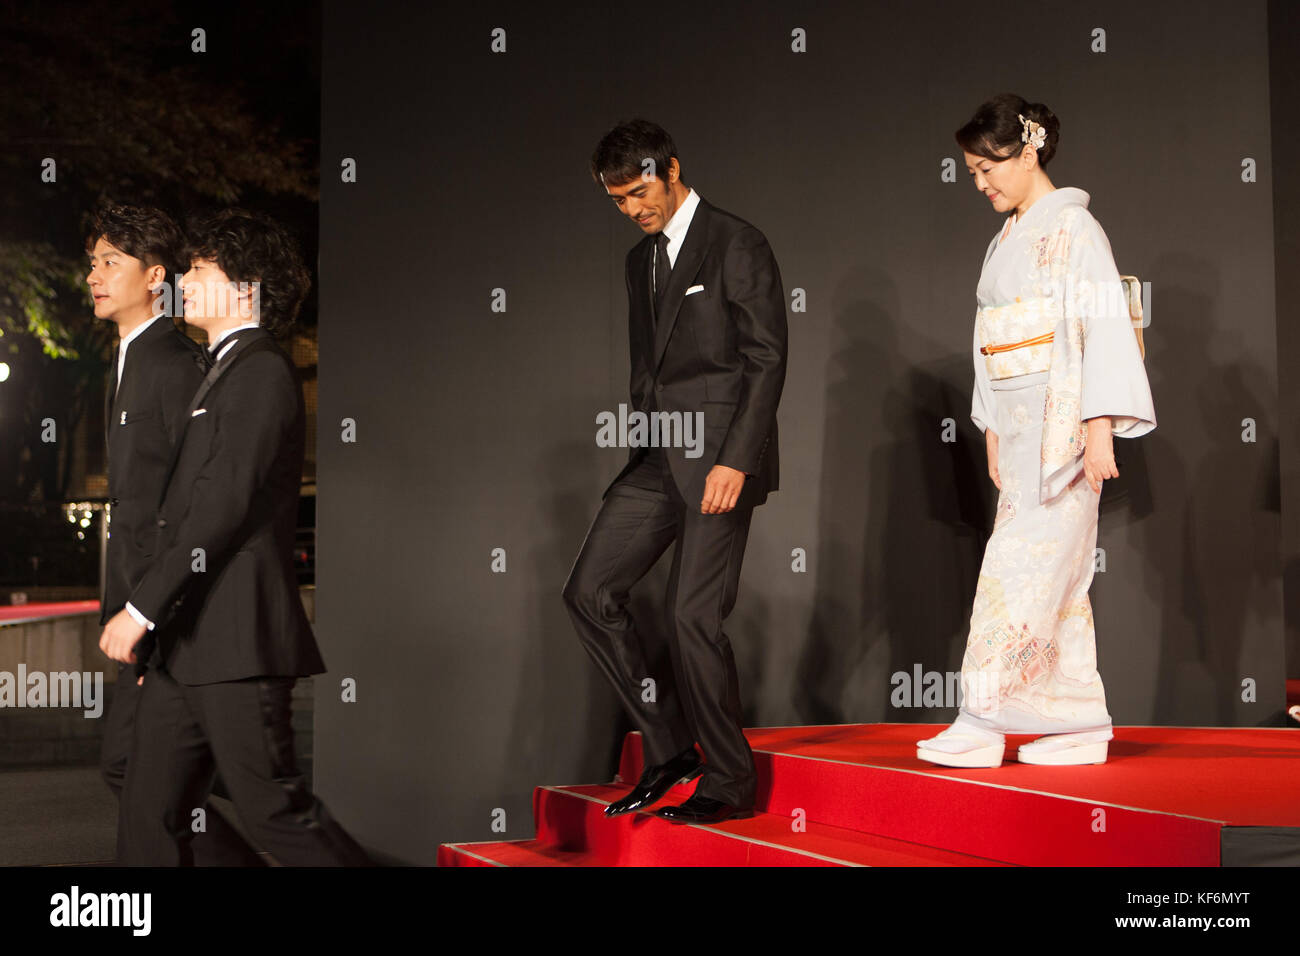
904, 514
1208, 578
553, 654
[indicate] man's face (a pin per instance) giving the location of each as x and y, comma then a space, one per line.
120, 283
647, 202
210, 297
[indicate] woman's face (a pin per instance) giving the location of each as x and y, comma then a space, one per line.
1004, 183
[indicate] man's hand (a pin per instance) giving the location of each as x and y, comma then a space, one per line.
120, 636
991, 446
721, 489
1099, 453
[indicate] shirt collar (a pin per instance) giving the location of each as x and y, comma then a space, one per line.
223, 334
681, 220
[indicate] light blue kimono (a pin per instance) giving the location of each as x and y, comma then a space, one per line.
1030, 662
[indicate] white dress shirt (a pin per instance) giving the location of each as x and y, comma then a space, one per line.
676, 228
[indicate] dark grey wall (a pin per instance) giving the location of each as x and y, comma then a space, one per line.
475, 429
1284, 103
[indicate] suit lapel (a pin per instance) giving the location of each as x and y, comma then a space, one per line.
644, 292
243, 340
110, 396
160, 327
117, 388
689, 258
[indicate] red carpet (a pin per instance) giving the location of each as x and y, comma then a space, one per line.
24, 613
1165, 797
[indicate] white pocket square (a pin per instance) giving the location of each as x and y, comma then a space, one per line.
197, 412
695, 288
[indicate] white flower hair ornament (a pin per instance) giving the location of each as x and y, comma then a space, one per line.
1032, 133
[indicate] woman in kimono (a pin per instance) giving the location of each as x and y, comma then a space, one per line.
1057, 373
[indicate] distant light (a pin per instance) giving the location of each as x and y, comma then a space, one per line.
4, 371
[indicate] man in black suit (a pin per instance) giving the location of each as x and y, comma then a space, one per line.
707, 335
133, 250
220, 594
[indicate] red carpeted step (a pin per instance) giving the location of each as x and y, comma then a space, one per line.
1162, 799
515, 853
867, 778
572, 830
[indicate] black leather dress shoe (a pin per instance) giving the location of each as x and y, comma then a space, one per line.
656, 781
704, 810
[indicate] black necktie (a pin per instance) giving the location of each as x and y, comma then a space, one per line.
663, 270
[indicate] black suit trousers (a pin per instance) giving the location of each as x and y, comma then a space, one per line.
240, 729
699, 700
220, 844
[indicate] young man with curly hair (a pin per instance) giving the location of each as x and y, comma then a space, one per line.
133, 251
220, 596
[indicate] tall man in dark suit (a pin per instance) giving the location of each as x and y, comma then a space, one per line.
707, 335
220, 594
156, 369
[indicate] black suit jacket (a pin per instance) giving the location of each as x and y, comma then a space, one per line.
720, 350
233, 493
162, 371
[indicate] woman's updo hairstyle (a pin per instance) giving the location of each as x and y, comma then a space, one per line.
995, 130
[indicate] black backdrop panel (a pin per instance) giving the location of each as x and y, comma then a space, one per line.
475, 427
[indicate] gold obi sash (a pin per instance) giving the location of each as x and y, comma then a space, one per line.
1017, 337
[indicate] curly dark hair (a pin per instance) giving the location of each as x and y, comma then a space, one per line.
252, 247
994, 131
618, 156
143, 232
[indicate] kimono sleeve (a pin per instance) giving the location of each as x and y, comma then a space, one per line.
981, 404
1114, 380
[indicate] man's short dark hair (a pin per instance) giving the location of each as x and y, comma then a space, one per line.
143, 232
620, 155
253, 247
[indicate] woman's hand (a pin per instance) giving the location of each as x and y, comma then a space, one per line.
991, 446
1099, 453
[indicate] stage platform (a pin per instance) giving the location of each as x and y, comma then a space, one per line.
856, 795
